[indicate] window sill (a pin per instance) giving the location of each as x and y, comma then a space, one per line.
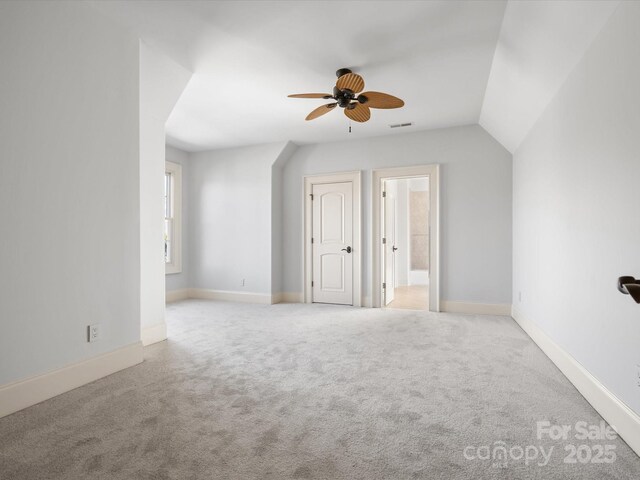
172, 270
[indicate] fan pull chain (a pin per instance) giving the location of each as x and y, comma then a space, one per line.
349, 126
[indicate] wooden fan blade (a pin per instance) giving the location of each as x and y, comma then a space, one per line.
352, 81
309, 95
360, 113
381, 100
321, 111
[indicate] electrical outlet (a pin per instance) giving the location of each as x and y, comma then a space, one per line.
93, 333
242, 282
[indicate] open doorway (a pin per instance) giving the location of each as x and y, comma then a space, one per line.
405, 229
406, 243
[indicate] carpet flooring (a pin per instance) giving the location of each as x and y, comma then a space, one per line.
317, 392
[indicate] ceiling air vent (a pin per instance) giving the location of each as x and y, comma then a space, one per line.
399, 125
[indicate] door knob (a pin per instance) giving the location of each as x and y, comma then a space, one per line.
394, 248
348, 249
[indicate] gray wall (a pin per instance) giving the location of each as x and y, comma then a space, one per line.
230, 227
179, 281
69, 186
277, 225
576, 222
476, 205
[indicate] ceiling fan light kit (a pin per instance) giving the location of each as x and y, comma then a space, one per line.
346, 94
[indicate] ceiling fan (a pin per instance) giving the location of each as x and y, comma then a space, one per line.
347, 95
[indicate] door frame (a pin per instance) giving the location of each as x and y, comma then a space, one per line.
378, 177
355, 177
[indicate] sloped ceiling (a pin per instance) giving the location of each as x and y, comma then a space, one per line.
540, 44
248, 56
453, 62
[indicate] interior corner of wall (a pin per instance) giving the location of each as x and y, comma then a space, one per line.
285, 154
494, 136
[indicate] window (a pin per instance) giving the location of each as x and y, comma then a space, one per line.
172, 218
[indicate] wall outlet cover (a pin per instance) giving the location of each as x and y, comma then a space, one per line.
93, 333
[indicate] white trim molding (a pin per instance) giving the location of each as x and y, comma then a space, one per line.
355, 177
153, 334
287, 297
25, 393
476, 308
624, 420
291, 297
175, 198
230, 296
176, 295
378, 177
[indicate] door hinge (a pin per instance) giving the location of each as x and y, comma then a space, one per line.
311, 195
384, 241
311, 239
384, 285
312, 283
384, 194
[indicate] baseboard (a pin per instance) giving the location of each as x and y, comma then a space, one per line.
25, 393
625, 421
291, 297
287, 297
153, 334
244, 297
475, 308
230, 296
176, 295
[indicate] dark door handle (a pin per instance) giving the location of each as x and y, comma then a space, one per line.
630, 286
394, 248
348, 249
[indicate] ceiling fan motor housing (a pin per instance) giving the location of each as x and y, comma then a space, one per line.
344, 97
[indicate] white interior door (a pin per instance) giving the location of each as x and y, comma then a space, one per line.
389, 244
332, 237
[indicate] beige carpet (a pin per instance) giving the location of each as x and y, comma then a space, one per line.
312, 392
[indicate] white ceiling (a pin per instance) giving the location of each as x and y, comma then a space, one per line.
438, 56
540, 43
248, 56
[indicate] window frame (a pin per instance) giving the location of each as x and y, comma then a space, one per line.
175, 208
